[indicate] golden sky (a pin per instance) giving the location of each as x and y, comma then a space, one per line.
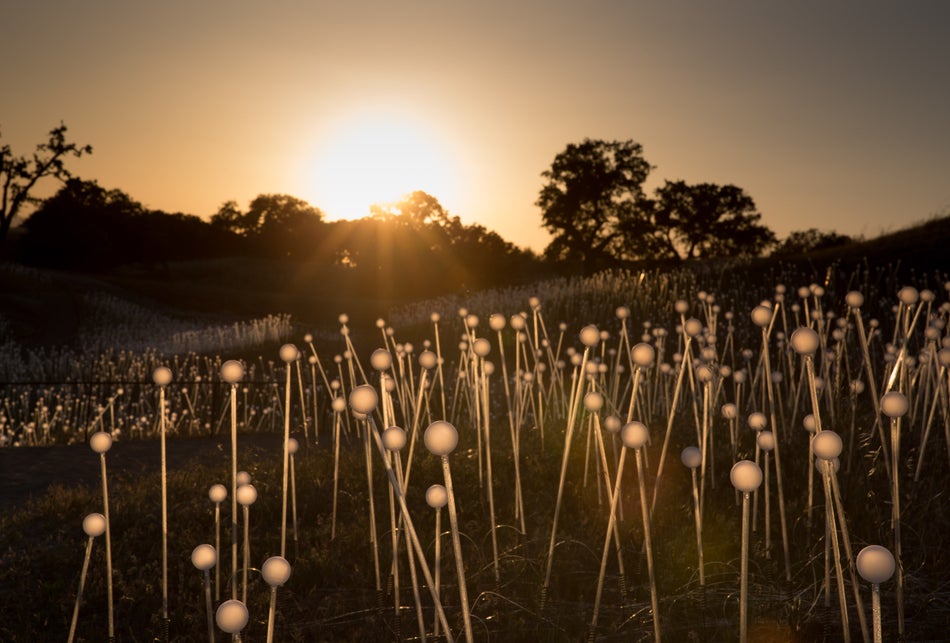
833, 117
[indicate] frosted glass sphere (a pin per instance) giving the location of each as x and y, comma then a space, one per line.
729, 411
944, 357
693, 327
94, 525
218, 493
232, 371
517, 322
204, 557
100, 442
589, 336
343, 318
471, 321
613, 424
292, 446
437, 496
481, 347
231, 616
746, 476
246, 495
691, 457
634, 435
809, 423
381, 359
364, 399
894, 404
854, 299
242, 477
338, 404
288, 353
739, 377
805, 341
704, 373
441, 438
394, 438
908, 295
681, 306
428, 360
593, 401
761, 316
162, 376
875, 564
757, 421
643, 355
622, 312
857, 386
827, 445
275, 571
765, 440
435, 317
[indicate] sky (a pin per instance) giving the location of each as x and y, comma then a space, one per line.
829, 115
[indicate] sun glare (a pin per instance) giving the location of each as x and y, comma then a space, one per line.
378, 159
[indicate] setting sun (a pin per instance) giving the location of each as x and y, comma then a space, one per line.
378, 158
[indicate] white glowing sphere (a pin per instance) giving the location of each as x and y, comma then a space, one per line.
623, 312
94, 525
381, 359
246, 495
481, 347
100, 442
308, 338
231, 616
242, 477
435, 317
338, 404
204, 557
894, 404
729, 411
232, 371
761, 316
394, 438
589, 336
875, 564
693, 327
517, 322
691, 457
809, 423
292, 446
739, 377
428, 360
634, 435
765, 440
288, 353
704, 373
827, 445
681, 306
162, 376
612, 424
908, 295
757, 421
746, 476
471, 321
275, 571
218, 493
364, 399
805, 341
343, 318
496, 322
854, 299
643, 355
593, 402
441, 438
437, 496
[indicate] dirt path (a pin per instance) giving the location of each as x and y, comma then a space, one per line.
29, 471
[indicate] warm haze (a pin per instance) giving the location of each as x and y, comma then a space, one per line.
828, 116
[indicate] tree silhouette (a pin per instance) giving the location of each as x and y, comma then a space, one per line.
20, 174
279, 225
810, 240
706, 220
590, 198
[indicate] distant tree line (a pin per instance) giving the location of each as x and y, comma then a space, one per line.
592, 202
